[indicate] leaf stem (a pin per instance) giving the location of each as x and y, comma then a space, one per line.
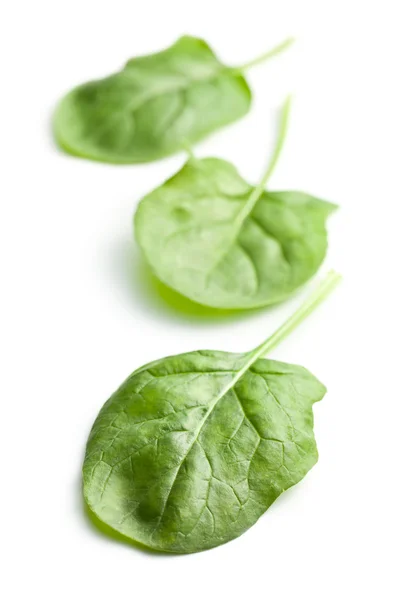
326, 286
258, 190
283, 127
270, 54
186, 146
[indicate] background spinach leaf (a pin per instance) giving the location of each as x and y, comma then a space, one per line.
155, 105
214, 238
192, 449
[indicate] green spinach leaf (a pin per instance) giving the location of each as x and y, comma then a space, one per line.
192, 449
155, 105
215, 239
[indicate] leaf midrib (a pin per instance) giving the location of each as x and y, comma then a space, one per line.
234, 240
252, 357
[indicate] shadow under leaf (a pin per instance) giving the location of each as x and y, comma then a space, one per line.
144, 287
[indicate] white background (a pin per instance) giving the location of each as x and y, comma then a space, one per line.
78, 314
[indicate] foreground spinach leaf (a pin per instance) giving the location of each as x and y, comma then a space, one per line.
155, 105
215, 239
192, 449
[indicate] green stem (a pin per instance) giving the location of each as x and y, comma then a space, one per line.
283, 127
186, 146
258, 190
270, 54
314, 299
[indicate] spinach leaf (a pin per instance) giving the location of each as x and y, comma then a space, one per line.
192, 449
212, 237
155, 105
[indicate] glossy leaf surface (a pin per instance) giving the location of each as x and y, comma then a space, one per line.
185, 456
200, 236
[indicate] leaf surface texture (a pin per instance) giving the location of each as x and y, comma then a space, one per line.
193, 449
196, 241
